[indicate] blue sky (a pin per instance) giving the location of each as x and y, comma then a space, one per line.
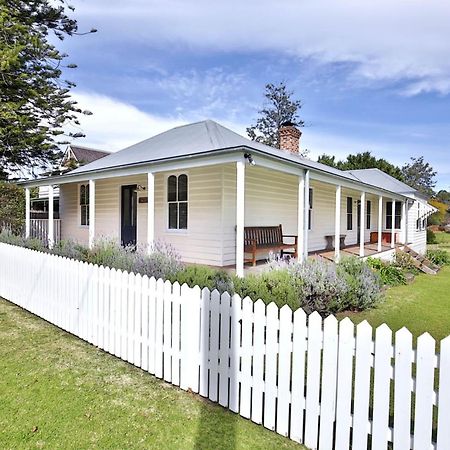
372, 75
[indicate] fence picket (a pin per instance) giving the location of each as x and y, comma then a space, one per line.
224, 353
204, 342
246, 357
329, 381
167, 332
214, 346
176, 306
235, 348
284, 371
159, 320
423, 420
314, 357
344, 384
402, 389
382, 382
275, 367
258, 361
270, 394
443, 428
361, 393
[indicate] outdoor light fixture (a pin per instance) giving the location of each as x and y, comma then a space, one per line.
249, 159
140, 188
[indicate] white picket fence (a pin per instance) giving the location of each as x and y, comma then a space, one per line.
326, 384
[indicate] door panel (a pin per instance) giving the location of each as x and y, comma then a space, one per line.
128, 215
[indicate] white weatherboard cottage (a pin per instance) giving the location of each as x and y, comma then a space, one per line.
200, 186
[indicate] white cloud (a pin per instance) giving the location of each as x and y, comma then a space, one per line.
115, 124
384, 39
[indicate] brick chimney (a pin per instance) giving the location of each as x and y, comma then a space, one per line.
289, 137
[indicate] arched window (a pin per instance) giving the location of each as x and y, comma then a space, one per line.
84, 204
177, 199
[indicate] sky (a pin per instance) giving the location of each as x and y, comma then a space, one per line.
372, 76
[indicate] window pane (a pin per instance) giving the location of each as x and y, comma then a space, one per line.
349, 205
389, 222
182, 188
83, 219
87, 195
82, 194
398, 222
311, 198
369, 213
172, 189
173, 216
183, 211
309, 219
349, 222
389, 208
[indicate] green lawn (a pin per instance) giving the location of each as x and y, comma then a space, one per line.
421, 306
59, 392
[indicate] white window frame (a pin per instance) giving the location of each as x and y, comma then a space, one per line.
166, 202
86, 184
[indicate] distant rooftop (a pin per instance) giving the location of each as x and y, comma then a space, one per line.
86, 155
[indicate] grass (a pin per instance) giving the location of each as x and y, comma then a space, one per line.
60, 392
422, 306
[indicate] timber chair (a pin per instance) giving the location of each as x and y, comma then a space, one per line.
266, 239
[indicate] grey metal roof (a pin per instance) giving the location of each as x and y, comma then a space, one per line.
191, 140
378, 178
208, 138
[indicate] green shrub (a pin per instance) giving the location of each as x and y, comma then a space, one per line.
364, 285
389, 274
431, 237
276, 286
34, 244
438, 257
204, 276
405, 262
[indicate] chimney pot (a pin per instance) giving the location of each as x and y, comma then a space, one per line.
289, 137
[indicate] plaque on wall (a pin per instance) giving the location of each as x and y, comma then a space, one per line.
143, 199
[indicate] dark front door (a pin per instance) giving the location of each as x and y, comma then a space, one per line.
128, 215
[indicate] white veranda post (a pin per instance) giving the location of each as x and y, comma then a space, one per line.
27, 212
380, 222
337, 225
301, 217
50, 228
362, 223
240, 217
150, 211
404, 223
91, 213
393, 224
306, 216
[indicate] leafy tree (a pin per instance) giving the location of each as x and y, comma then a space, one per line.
12, 207
34, 98
279, 107
363, 160
443, 196
420, 175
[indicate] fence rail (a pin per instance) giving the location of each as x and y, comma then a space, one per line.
324, 383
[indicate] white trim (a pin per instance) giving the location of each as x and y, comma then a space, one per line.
151, 210
51, 232
306, 215
300, 217
337, 224
240, 217
362, 223
380, 222
27, 212
91, 213
393, 223
176, 173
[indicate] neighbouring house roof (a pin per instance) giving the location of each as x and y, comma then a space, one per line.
208, 138
84, 155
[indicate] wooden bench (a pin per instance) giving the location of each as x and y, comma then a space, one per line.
330, 241
266, 239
